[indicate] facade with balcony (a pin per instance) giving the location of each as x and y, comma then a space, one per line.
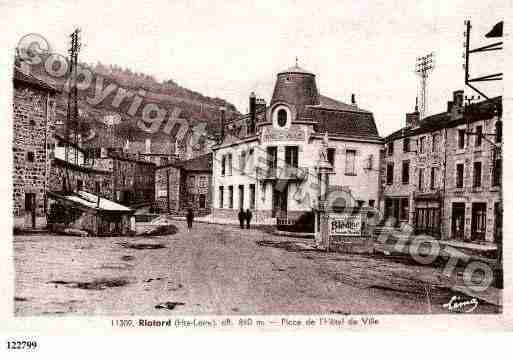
442, 174
269, 164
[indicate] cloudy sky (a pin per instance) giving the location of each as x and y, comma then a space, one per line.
230, 48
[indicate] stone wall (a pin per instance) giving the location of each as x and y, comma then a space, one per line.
33, 123
487, 193
168, 199
89, 178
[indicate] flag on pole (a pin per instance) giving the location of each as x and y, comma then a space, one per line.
496, 31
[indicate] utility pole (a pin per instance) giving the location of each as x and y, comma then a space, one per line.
72, 113
423, 67
466, 55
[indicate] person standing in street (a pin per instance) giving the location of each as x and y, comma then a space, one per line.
190, 219
242, 217
249, 215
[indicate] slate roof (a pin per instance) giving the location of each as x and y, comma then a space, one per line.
201, 163
338, 118
475, 112
33, 81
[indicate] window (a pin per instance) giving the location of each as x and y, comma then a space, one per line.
403, 213
230, 164
30, 156
203, 182
202, 201
459, 175
371, 203
498, 131
163, 160
421, 179
497, 172
252, 196
291, 156
282, 118
97, 187
230, 196
406, 172
390, 148
461, 139
223, 166
477, 174
272, 159
350, 162
422, 144
406, 144
370, 162
192, 182
79, 185
479, 136
242, 161
221, 196
433, 177
331, 156
390, 173
435, 140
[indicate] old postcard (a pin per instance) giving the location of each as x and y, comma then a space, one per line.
255, 165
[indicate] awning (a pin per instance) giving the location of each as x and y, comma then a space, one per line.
90, 201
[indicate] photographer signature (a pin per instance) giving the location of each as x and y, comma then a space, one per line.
457, 303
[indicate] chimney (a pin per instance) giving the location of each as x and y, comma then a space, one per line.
449, 106
148, 145
413, 118
252, 113
353, 99
457, 98
260, 105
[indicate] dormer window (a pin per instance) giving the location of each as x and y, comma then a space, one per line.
282, 118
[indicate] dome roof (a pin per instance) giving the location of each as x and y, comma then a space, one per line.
295, 70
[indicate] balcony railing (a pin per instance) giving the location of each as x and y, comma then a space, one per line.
286, 173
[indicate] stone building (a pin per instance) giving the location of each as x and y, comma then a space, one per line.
428, 172
33, 121
185, 184
270, 163
112, 174
473, 196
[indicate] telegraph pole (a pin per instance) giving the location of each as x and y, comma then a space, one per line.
72, 113
423, 67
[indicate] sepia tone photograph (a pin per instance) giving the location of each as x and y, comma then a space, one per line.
180, 158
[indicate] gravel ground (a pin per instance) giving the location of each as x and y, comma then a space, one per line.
216, 270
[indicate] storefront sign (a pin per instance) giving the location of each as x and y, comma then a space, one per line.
293, 134
345, 224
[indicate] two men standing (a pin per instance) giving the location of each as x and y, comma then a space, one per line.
245, 217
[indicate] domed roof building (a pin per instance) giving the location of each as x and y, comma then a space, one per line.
268, 159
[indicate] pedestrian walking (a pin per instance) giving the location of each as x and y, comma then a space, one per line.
249, 215
242, 217
190, 219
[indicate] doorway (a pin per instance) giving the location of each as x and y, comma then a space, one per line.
458, 221
280, 202
241, 196
30, 210
478, 226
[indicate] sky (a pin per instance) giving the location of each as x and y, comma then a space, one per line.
228, 49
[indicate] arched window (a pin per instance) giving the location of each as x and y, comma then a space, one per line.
282, 117
498, 131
